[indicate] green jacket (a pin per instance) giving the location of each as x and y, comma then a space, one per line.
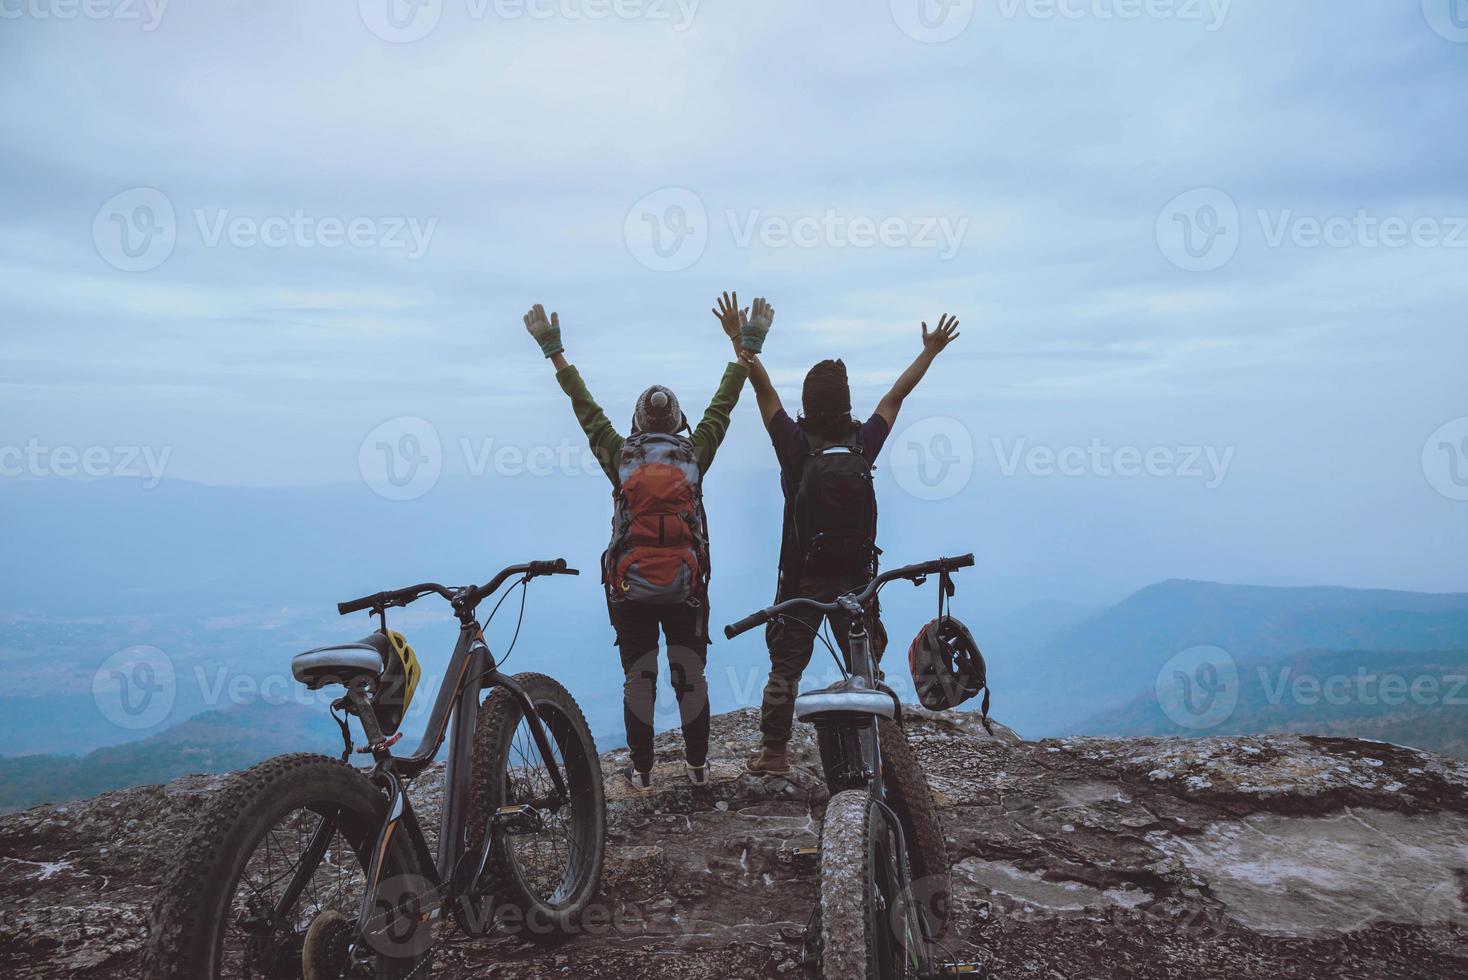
606, 442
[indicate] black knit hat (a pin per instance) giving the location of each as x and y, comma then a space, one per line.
827, 392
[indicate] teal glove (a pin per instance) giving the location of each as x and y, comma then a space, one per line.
754, 328
547, 333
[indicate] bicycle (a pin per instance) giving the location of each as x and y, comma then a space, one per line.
881, 833
307, 867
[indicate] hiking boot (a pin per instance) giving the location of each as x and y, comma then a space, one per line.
771, 760
698, 775
640, 782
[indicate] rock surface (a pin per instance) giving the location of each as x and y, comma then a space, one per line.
1268, 857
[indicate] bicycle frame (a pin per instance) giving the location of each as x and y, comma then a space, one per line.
451, 873
851, 756
850, 742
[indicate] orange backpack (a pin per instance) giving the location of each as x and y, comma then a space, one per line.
659, 548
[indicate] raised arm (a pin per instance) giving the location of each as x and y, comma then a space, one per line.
601, 435
736, 324
933, 344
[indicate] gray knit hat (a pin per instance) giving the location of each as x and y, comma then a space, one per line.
658, 411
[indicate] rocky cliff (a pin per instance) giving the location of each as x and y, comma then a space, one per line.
1269, 857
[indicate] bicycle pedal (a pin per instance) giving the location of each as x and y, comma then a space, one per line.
962, 969
522, 819
803, 857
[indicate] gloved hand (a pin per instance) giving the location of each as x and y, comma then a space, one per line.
547, 333
754, 328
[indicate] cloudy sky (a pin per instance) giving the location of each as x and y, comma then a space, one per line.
250, 233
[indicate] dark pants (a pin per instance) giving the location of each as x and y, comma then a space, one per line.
791, 643
686, 630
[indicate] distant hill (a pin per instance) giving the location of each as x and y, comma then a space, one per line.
212, 742
1105, 661
1407, 698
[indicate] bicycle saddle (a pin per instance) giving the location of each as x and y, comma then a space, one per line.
845, 699
339, 663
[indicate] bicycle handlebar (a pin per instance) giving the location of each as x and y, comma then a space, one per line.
861, 597
471, 596
747, 623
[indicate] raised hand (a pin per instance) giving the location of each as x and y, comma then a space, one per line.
728, 314
947, 332
547, 333
756, 326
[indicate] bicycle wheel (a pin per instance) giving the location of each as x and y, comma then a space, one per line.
867, 928
910, 797
222, 912
546, 871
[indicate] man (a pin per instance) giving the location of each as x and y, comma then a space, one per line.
828, 543
656, 568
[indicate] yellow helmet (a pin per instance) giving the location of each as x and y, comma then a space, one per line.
399, 681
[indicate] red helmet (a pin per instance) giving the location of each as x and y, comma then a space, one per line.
947, 667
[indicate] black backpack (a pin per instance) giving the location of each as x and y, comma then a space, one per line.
834, 516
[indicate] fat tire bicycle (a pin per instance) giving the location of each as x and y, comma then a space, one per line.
306, 867
883, 859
